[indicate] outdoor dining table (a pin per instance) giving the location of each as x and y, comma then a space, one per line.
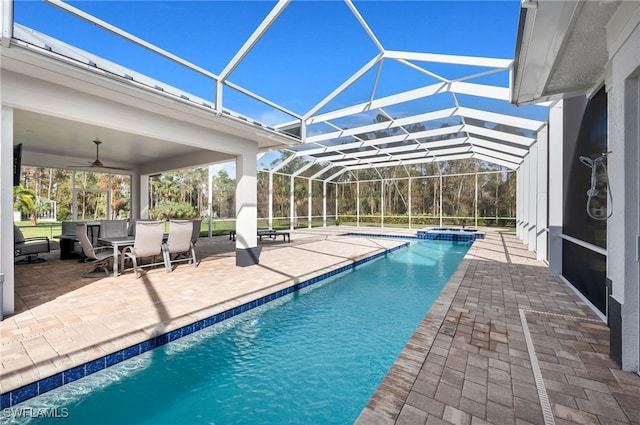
117, 242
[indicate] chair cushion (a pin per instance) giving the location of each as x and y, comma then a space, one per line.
18, 237
33, 247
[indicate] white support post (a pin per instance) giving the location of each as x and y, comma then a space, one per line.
270, 200
210, 201
309, 203
497, 193
410, 202
6, 21
337, 202
525, 200
440, 200
556, 195
247, 251
542, 204
6, 212
324, 204
74, 198
382, 203
143, 196
475, 207
533, 197
358, 203
292, 205
519, 202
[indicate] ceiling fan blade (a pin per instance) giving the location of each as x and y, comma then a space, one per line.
89, 165
105, 167
115, 168
97, 163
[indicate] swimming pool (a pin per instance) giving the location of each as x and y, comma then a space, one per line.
313, 356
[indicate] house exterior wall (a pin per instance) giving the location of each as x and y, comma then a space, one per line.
623, 89
555, 198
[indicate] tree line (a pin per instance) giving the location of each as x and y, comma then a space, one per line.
184, 193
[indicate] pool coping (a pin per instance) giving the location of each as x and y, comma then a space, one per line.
18, 395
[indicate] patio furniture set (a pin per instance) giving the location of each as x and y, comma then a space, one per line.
108, 242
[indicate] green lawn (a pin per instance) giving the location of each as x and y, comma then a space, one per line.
48, 229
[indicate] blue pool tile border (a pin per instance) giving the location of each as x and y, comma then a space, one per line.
448, 235
18, 395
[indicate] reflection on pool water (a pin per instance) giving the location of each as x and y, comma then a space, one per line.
312, 357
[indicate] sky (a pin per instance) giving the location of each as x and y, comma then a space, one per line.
312, 48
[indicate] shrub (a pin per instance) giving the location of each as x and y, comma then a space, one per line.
167, 210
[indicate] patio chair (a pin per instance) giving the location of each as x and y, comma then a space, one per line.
29, 247
147, 243
197, 224
179, 244
113, 228
99, 257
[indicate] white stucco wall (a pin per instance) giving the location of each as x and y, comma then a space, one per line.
623, 115
556, 195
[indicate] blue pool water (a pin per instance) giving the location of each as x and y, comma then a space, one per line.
312, 357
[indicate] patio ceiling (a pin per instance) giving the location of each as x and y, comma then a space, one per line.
453, 115
562, 47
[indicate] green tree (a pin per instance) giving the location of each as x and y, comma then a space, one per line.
27, 202
167, 210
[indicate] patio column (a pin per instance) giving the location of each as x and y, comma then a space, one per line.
475, 197
6, 216
324, 204
381, 203
541, 214
409, 202
270, 200
441, 200
247, 251
524, 235
142, 195
533, 193
358, 203
337, 219
210, 200
519, 202
555, 196
292, 204
309, 203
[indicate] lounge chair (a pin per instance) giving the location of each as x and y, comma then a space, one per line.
99, 257
29, 247
272, 234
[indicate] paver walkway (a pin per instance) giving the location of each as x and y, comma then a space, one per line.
470, 362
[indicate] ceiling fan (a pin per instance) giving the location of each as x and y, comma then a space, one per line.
97, 163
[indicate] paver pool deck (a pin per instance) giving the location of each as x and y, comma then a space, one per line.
469, 362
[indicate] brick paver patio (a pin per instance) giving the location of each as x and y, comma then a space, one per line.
471, 361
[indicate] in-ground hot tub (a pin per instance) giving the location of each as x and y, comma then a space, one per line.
450, 234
